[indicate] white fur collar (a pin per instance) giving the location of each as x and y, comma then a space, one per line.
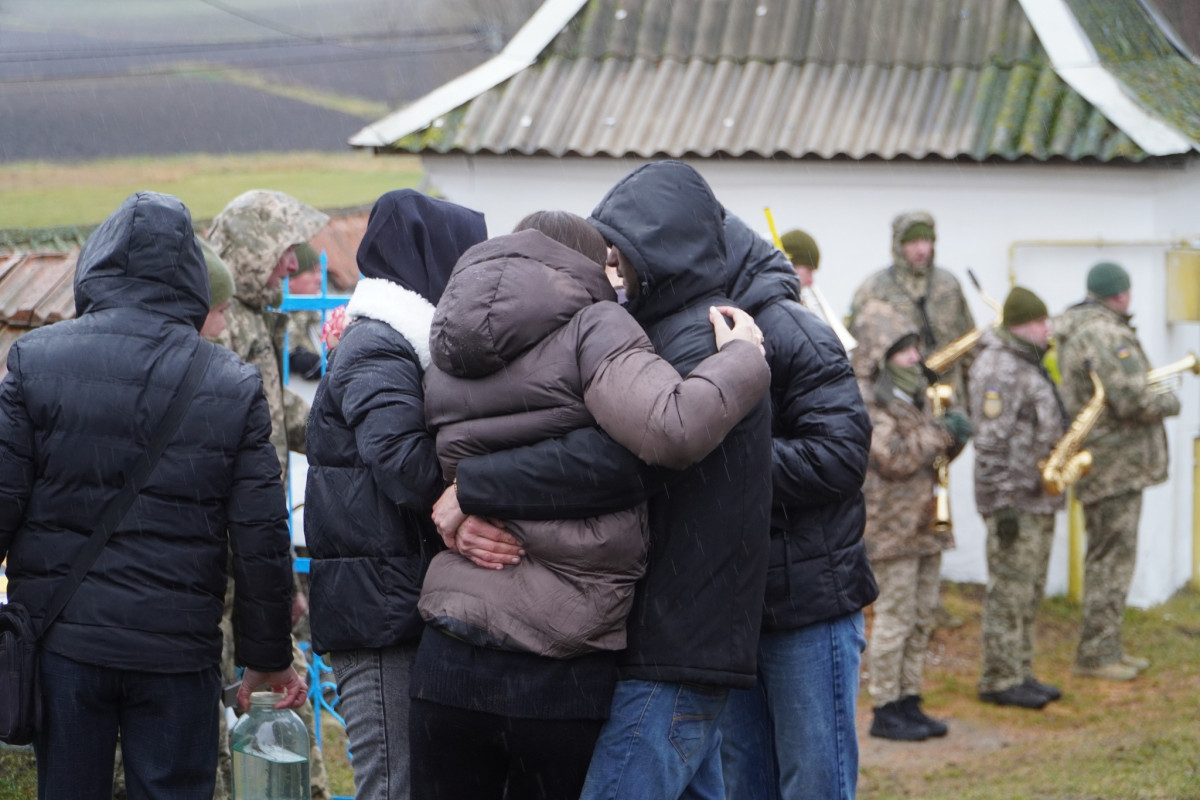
403, 309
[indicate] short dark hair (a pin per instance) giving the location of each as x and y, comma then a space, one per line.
567, 229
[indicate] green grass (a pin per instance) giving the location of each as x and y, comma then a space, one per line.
1102, 741
43, 195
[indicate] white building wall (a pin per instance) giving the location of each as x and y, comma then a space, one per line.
1041, 225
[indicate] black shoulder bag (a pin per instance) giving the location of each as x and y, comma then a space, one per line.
20, 686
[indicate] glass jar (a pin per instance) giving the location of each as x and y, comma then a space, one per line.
269, 748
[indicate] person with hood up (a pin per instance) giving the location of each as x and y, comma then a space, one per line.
693, 630
1129, 453
793, 735
373, 476
256, 235
905, 551
929, 296
136, 650
527, 343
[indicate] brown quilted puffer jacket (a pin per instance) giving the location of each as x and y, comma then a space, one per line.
526, 345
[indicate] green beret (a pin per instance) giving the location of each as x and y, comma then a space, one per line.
220, 279
801, 249
918, 230
1107, 279
1021, 306
306, 257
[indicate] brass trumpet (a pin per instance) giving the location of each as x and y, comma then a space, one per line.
1165, 378
939, 395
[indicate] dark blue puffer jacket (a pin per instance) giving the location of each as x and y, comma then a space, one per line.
76, 410
821, 438
373, 473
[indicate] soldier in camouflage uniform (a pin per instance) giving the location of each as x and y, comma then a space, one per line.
905, 552
256, 235
1018, 418
1129, 447
929, 296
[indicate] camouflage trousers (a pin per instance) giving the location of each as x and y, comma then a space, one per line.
1015, 585
1112, 526
904, 610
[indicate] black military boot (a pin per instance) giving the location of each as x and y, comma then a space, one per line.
1052, 692
912, 708
892, 723
1022, 696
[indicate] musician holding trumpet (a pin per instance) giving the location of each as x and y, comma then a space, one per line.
1128, 443
1018, 418
904, 544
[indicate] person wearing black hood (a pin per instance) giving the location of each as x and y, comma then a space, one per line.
136, 649
793, 735
694, 627
373, 477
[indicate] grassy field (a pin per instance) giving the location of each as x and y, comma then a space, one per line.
1102, 741
41, 195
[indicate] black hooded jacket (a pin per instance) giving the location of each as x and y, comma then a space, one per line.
80, 403
696, 613
821, 438
373, 473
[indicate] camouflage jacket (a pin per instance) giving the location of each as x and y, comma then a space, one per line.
1129, 442
250, 234
1018, 418
900, 477
904, 289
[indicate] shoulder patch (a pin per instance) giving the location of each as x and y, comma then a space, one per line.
1124, 357
993, 406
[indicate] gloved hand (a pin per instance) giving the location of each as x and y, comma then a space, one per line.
1008, 525
959, 426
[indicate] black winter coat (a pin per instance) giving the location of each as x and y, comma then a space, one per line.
821, 439
81, 401
373, 473
697, 611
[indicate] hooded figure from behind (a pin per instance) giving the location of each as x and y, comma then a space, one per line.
78, 408
373, 474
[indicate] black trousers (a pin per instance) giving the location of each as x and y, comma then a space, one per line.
470, 755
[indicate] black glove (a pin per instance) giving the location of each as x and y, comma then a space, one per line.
1008, 525
304, 362
959, 426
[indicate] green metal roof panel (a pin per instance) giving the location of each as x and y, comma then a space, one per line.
1139, 54
800, 78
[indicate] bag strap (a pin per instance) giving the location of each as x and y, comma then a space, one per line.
116, 510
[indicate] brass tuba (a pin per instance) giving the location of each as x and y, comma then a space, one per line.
1164, 379
1067, 462
939, 395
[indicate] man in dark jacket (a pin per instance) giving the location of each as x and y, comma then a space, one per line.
137, 648
373, 476
696, 615
793, 735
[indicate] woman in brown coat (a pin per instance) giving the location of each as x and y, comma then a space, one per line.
905, 551
516, 673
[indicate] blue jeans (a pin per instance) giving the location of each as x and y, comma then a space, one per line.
373, 699
661, 742
167, 722
793, 735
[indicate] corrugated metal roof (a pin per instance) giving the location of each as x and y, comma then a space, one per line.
798, 78
37, 288
1135, 49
